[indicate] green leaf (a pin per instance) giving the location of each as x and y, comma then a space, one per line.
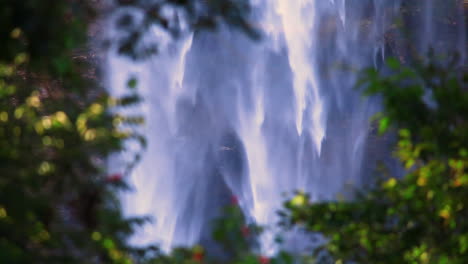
384, 123
404, 133
393, 63
132, 83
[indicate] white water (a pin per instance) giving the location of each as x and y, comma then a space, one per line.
230, 116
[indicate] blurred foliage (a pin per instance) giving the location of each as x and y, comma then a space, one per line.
58, 126
232, 233
57, 200
422, 217
176, 17
45, 31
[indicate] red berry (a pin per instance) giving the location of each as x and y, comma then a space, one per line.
197, 256
234, 200
245, 231
116, 177
263, 260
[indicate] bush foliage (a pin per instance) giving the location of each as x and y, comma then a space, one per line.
420, 218
58, 126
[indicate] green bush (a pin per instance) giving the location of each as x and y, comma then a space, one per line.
420, 218
58, 127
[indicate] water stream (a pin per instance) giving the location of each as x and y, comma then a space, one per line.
227, 115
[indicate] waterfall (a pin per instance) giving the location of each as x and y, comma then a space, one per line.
226, 115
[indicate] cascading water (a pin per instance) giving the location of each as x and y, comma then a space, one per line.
227, 115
